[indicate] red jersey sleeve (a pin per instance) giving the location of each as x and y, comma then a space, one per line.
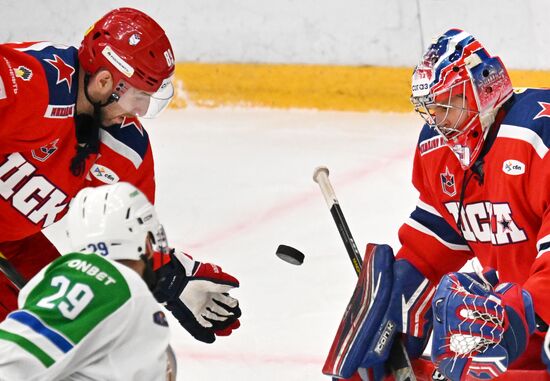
26, 96
538, 283
144, 176
427, 239
7, 85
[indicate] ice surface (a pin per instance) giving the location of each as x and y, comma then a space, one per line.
233, 184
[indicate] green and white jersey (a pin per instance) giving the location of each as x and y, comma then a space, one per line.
84, 317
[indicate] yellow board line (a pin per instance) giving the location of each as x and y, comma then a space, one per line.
322, 87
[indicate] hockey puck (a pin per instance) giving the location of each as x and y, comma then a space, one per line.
290, 255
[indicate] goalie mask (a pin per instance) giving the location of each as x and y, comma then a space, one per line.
116, 221
457, 89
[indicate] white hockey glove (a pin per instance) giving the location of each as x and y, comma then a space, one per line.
197, 294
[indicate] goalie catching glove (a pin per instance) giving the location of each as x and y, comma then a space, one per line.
479, 330
197, 294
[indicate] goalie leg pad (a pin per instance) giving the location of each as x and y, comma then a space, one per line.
408, 312
364, 313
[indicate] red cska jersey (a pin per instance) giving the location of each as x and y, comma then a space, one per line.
38, 90
501, 217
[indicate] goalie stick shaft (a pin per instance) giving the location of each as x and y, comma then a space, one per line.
11, 272
399, 361
320, 176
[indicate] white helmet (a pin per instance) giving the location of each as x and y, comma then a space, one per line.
114, 221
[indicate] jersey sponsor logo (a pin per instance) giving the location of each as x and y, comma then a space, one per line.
64, 71
160, 318
43, 153
545, 112
104, 174
448, 182
31, 195
59, 111
23, 72
486, 222
513, 167
12, 76
431, 144
91, 270
3, 94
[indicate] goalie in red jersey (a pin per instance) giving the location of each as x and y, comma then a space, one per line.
69, 120
482, 170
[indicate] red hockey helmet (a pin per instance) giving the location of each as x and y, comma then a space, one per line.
137, 53
457, 88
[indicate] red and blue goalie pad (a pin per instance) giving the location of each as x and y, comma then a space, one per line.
390, 297
363, 313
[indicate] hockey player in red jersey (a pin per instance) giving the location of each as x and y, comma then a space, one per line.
482, 171
68, 120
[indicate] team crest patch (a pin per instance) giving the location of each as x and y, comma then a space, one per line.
134, 39
160, 318
448, 183
23, 72
43, 153
104, 174
513, 167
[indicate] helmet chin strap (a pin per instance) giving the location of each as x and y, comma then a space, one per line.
112, 98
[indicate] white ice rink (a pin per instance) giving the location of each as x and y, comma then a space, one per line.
234, 184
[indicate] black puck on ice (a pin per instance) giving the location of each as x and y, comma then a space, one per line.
290, 255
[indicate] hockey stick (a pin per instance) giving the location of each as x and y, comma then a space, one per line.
11, 272
399, 361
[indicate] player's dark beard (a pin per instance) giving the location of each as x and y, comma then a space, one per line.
149, 276
87, 132
87, 136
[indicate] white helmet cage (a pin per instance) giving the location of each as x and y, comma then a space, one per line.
114, 221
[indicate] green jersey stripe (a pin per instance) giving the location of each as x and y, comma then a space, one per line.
28, 346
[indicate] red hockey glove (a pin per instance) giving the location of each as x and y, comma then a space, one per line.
197, 294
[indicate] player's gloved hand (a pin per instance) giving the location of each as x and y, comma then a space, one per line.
479, 330
197, 294
391, 297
